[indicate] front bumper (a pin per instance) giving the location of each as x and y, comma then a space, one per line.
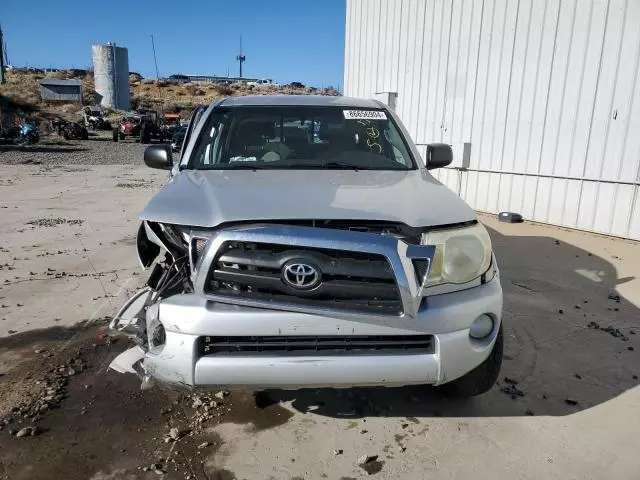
447, 317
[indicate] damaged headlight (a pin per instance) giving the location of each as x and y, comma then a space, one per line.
177, 236
462, 255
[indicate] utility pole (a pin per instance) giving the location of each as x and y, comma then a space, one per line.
1, 57
241, 58
153, 46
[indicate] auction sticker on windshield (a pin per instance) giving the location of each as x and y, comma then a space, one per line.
364, 115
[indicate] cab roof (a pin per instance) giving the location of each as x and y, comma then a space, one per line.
298, 100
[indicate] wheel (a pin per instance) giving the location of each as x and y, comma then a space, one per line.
116, 135
65, 135
85, 135
145, 135
480, 379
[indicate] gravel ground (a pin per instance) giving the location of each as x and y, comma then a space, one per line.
54, 150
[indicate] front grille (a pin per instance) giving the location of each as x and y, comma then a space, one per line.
316, 345
351, 281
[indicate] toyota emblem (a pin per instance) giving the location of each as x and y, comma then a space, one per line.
301, 276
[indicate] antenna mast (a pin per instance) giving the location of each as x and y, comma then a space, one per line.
153, 46
2, 57
241, 58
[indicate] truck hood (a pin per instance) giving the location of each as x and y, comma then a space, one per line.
207, 198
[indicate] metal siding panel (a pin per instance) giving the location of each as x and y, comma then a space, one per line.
434, 112
503, 82
573, 88
348, 31
589, 84
528, 197
504, 200
557, 86
484, 183
542, 199
424, 105
454, 79
413, 123
543, 79
630, 162
401, 59
601, 120
381, 50
624, 96
491, 79
513, 119
411, 83
443, 70
395, 27
622, 209
556, 200
586, 206
571, 203
481, 86
634, 224
470, 188
602, 213
493, 192
515, 197
475, 11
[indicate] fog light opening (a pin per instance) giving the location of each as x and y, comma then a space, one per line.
481, 327
158, 335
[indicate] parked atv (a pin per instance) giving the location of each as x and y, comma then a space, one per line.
94, 118
169, 124
74, 131
143, 127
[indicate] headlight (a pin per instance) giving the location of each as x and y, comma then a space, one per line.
462, 255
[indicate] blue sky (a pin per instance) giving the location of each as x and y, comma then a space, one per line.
287, 40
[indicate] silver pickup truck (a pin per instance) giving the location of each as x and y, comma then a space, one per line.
301, 241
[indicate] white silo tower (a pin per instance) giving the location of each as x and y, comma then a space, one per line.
111, 75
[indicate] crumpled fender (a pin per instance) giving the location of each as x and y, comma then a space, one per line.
147, 250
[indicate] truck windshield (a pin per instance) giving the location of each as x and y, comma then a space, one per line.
301, 138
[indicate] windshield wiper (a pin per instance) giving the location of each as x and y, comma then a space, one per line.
344, 166
243, 166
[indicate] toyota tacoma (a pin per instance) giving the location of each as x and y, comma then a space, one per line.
302, 242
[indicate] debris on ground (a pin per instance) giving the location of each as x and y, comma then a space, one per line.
221, 394
203, 445
364, 459
614, 296
571, 401
529, 412
338, 451
370, 464
27, 432
510, 380
512, 390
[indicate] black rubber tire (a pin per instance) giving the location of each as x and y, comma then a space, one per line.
116, 135
144, 135
66, 136
85, 135
480, 379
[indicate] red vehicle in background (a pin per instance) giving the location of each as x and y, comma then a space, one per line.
142, 125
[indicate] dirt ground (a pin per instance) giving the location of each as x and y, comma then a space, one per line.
566, 406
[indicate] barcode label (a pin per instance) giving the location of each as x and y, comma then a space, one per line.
364, 115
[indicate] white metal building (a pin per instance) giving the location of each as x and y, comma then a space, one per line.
540, 99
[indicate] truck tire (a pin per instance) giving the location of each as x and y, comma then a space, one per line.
116, 135
144, 135
85, 135
480, 379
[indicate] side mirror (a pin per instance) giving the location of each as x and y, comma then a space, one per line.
438, 155
159, 156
